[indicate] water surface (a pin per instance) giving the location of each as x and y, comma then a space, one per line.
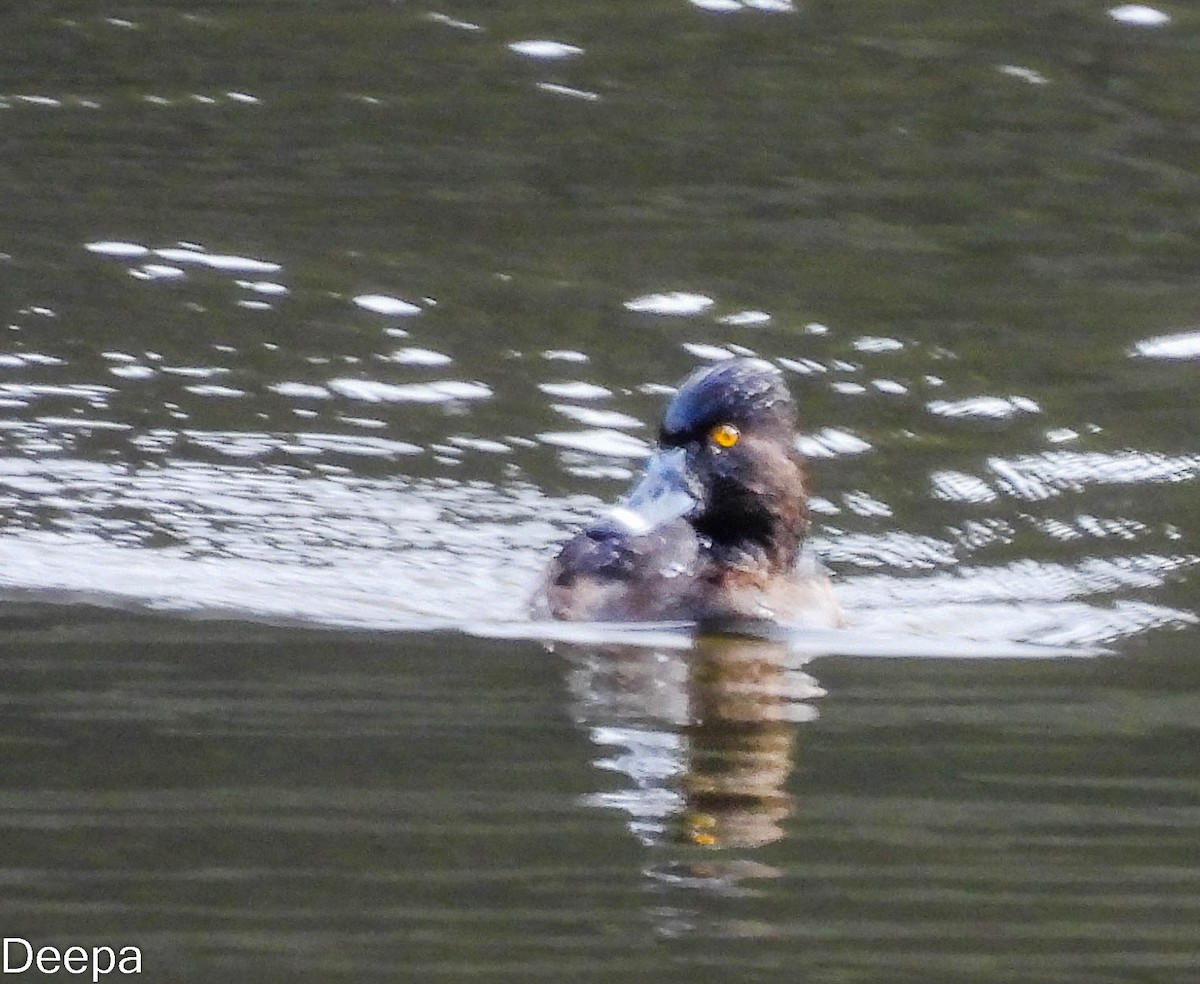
321, 327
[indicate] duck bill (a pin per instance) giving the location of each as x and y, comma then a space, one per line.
662, 494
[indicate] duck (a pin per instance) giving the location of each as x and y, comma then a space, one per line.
714, 527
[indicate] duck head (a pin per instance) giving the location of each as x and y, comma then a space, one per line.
727, 464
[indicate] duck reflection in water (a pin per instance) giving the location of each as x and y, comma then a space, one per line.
702, 738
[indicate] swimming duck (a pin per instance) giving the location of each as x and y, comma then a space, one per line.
713, 528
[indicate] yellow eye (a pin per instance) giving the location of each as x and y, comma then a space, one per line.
724, 435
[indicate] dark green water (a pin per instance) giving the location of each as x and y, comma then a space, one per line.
320, 324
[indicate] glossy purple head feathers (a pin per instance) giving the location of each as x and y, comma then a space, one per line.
745, 392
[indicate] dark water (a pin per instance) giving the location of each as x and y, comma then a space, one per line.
321, 323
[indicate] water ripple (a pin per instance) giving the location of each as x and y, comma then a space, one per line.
442, 391
1061, 470
677, 303
541, 50
984, 407
1181, 345
208, 430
